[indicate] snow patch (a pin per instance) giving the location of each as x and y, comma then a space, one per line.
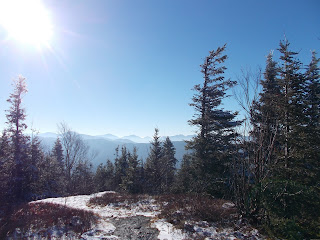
105, 229
168, 231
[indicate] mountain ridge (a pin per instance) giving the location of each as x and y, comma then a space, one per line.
104, 148
125, 139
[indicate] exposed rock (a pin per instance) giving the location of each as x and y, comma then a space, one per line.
228, 205
137, 227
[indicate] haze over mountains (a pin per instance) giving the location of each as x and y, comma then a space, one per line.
103, 146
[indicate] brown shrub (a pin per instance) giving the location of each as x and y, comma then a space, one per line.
116, 198
46, 215
179, 208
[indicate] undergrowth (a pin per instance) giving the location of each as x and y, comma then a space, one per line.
181, 208
176, 208
117, 198
43, 216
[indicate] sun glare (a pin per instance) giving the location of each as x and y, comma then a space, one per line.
27, 21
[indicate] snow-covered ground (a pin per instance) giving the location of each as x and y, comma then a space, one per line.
105, 228
110, 214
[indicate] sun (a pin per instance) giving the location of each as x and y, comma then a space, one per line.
26, 21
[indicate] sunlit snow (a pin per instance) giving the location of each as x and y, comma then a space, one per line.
105, 229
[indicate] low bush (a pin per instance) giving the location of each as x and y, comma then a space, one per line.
116, 198
179, 208
37, 216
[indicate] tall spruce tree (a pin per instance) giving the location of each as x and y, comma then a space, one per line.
110, 176
265, 116
6, 164
36, 156
312, 76
131, 181
153, 165
100, 178
168, 165
20, 142
284, 182
57, 152
121, 166
263, 147
291, 102
185, 176
83, 178
51, 181
213, 145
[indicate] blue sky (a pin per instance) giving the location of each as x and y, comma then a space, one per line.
125, 67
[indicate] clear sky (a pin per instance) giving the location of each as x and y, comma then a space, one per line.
125, 67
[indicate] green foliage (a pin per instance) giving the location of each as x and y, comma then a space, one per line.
293, 208
57, 152
281, 165
131, 182
121, 165
82, 179
212, 148
104, 177
6, 164
153, 165
19, 182
184, 177
51, 178
168, 165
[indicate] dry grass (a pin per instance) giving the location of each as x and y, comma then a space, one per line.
117, 198
46, 215
176, 208
179, 208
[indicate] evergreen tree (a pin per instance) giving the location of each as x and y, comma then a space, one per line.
153, 165
100, 178
168, 165
312, 146
121, 165
282, 165
131, 181
6, 164
291, 101
262, 149
212, 147
20, 142
184, 180
265, 116
36, 156
82, 178
59, 167
110, 176
51, 181
57, 152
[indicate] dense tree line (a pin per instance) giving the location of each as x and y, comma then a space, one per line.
27, 171
130, 174
272, 172
278, 181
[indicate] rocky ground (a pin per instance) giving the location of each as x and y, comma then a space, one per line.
135, 220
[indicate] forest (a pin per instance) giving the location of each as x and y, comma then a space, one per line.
266, 160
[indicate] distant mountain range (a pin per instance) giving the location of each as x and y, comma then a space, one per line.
125, 139
104, 145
